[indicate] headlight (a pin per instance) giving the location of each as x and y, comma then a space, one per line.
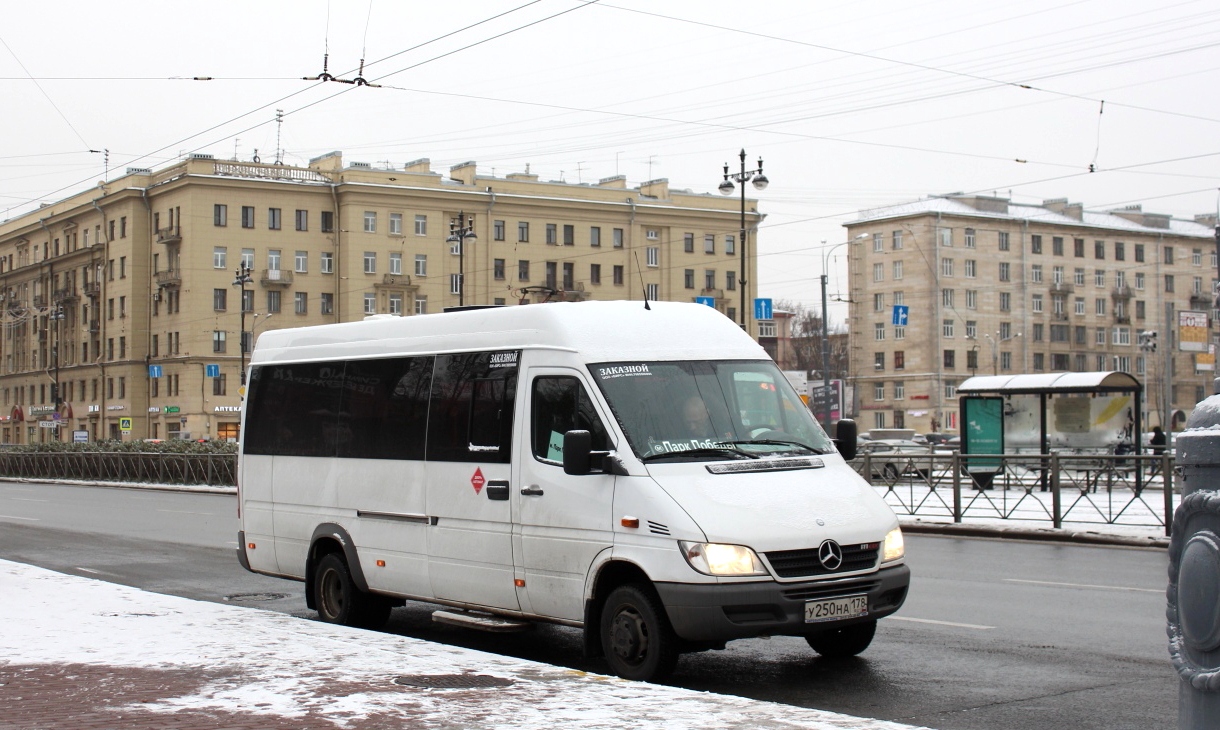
894, 548
713, 559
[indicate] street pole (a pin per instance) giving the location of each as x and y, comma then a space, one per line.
461, 228
825, 357
243, 278
726, 187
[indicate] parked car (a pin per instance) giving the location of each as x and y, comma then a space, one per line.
939, 438
892, 458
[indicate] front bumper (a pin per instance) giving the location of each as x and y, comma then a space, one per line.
723, 611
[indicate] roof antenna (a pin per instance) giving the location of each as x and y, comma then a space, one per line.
642, 284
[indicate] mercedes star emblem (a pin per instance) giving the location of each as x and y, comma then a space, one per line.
830, 555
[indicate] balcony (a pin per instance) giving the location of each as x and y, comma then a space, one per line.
1122, 319
40, 300
276, 277
1122, 292
1060, 316
395, 281
1201, 301
574, 293
173, 234
93, 288
169, 278
1063, 287
66, 295
95, 326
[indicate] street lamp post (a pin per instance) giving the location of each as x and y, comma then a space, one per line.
243, 277
461, 229
726, 188
56, 393
826, 331
994, 341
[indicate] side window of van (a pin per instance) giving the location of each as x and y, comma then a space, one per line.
560, 405
293, 410
471, 415
383, 411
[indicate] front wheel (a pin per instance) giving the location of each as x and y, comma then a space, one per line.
845, 642
636, 636
339, 601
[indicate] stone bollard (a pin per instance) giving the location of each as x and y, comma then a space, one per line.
1193, 596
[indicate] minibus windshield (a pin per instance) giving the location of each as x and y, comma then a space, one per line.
709, 410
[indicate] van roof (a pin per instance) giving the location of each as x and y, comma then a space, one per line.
601, 331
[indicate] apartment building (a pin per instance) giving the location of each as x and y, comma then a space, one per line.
129, 307
993, 286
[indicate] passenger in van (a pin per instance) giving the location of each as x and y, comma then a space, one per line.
698, 422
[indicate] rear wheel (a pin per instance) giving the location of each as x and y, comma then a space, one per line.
339, 601
845, 642
636, 636
891, 471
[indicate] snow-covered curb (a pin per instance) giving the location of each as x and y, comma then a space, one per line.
276, 665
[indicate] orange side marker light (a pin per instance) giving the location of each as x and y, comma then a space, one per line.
630, 522
519, 582
250, 545
380, 563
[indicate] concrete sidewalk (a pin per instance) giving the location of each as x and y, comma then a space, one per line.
78, 653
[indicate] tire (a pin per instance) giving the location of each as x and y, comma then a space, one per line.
339, 601
891, 471
845, 642
637, 639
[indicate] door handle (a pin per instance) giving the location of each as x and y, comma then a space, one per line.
532, 490
497, 490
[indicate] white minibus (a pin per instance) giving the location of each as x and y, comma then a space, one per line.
643, 472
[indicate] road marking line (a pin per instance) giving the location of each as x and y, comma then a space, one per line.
1084, 585
90, 570
939, 623
15, 517
27, 499
184, 512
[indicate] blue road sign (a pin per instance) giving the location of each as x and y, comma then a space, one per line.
706, 301
154, 371
901, 312
211, 371
762, 309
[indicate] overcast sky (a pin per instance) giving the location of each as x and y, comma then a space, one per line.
851, 104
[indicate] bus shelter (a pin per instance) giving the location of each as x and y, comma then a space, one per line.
1095, 411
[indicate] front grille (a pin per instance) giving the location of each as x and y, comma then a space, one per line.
799, 563
831, 590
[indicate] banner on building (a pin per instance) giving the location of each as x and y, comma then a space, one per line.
1192, 331
1206, 360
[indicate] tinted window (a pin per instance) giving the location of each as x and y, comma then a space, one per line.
293, 409
471, 417
561, 405
384, 408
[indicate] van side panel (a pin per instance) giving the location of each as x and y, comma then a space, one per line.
257, 509
388, 500
306, 493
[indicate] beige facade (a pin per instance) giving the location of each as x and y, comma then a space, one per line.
140, 271
997, 287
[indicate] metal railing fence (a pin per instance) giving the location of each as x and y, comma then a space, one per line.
154, 468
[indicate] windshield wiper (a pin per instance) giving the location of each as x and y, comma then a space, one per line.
778, 442
727, 450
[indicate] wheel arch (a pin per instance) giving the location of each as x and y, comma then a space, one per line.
331, 538
605, 577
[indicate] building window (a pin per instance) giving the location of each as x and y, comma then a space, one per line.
972, 360
273, 302
730, 280
1006, 361
900, 390
709, 279
1035, 244
1035, 273
595, 237
370, 303
897, 270
1079, 305
1003, 241
455, 283
1169, 282
946, 297
879, 331
1039, 330
247, 300
972, 299
219, 385
300, 302
523, 232
1036, 303
301, 262
944, 236
878, 302
247, 258
396, 224
523, 270
946, 267
1139, 253
497, 230
688, 278
1057, 245
950, 358
900, 359
900, 333
1039, 361
1099, 307
220, 257
328, 221
569, 235
370, 262
730, 244
896, 240
273, 219
421, 225
370, 221
498, 269
878, 272
618, 276
1005, 301
878, 360
552, 234
247, 216
946, 328
709, 243
1099, 336
970, 268
220, 299
878, 242
220, 217
396, 304
972, 329
652, 256
396, 264
327, 303
618, 237
654, 291
1167, 253
218, 341
595, 273
328, 262
421, 304
302, 220
1005, 271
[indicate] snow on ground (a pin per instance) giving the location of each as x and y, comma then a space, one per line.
274, 664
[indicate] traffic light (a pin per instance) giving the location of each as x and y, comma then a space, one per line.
1147, 340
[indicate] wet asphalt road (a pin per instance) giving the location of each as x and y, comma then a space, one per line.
995, 634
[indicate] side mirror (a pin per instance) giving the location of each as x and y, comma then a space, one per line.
577, 452
845, 438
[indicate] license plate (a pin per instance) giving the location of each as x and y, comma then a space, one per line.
834, 609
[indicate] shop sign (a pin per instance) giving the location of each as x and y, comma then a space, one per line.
172, 409
227, 409
116, 408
